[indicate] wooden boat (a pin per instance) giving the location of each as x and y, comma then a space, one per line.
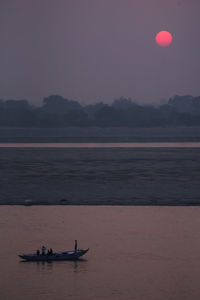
67, 255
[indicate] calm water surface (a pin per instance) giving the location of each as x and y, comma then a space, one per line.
103, 176
135, 252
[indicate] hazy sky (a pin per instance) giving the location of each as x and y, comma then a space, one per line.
97, 50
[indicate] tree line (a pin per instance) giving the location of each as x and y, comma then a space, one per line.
56, 111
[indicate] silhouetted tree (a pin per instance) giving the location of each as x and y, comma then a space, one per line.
109, 116
16, 113
123, 103
185, 104
58, 104
76, 118
59, 112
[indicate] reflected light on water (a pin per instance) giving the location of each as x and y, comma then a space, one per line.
102, 145
135, 252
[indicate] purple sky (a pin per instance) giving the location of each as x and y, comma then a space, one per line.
98, 50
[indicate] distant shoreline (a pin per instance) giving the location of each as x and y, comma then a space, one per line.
163, 205
99, 135
104, 145
104, 203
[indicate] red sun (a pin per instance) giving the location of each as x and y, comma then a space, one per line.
163, 38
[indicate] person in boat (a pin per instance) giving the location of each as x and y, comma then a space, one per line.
75, 246
49, 251
43, 250
38, 252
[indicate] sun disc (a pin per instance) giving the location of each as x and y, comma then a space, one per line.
163, 38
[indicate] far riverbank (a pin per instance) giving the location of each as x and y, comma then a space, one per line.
99, 135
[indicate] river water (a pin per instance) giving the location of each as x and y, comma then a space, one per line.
135, 252
123, 174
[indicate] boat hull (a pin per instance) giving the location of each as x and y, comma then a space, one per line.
59, 256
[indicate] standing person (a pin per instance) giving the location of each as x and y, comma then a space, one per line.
75, 246
43, 250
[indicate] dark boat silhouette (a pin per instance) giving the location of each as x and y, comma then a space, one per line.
66, 255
